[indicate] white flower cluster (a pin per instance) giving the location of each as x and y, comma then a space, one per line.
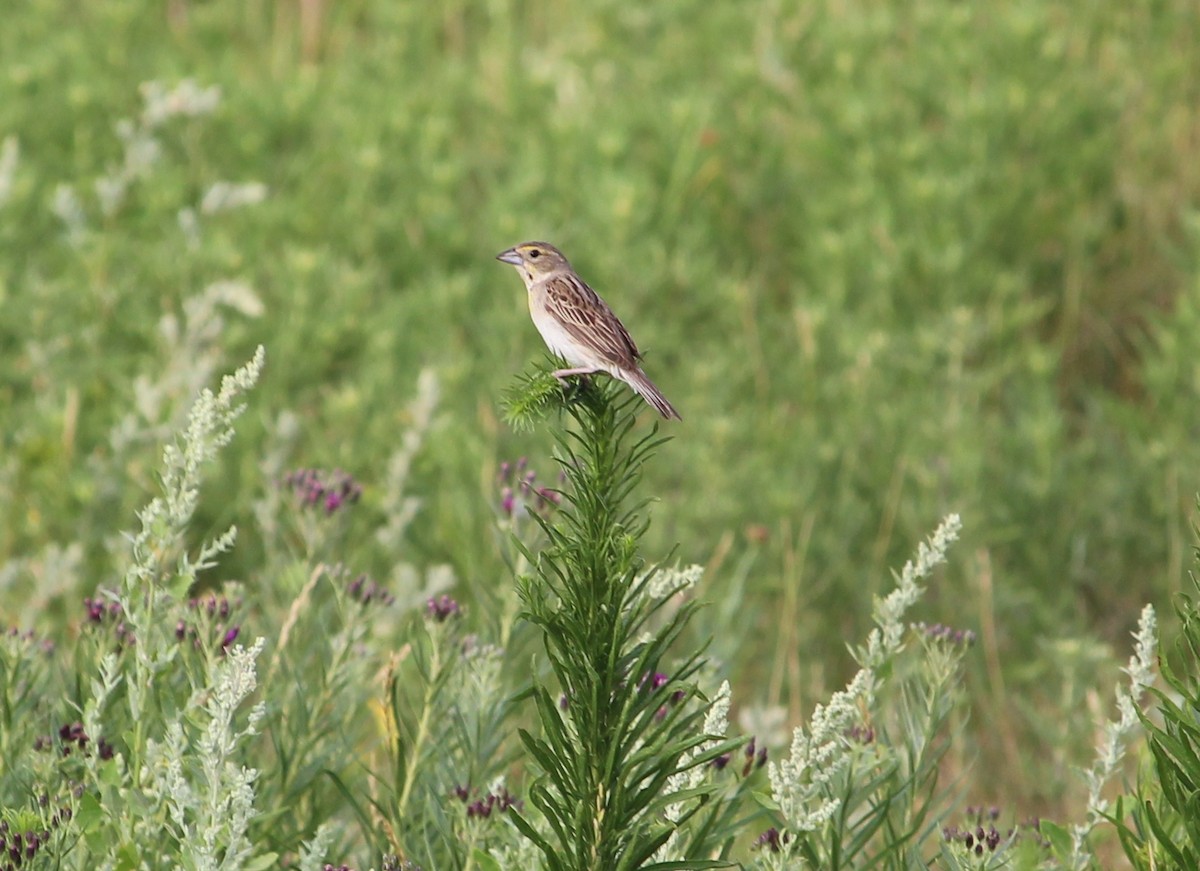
1111, 753
141, 152
801, 784
194, 350
817, 758
211, 807
209, 428
716, 724
397, 504
142, 148
10, 153
223, 196
675, 579
884, 641
67, 208
187, 99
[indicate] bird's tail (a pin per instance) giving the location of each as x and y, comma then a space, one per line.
646, 389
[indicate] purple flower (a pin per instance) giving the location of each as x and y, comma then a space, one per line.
108, 613
655, 681
328, 490
97, 610
517, 479
482, 808
365, 591
441, 608
979, 838
941, 632
771, 840
212, 618
755, 757
547, 499
861, 734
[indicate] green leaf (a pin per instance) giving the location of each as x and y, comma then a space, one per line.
267, 860
485, 861
1058, 836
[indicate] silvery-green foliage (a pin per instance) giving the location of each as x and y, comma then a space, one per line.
1117, 734
313, 851
834, 790
10, 155
196, 771
716, 725
1157, 822
183, 747
399, 505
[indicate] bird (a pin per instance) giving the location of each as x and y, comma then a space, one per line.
577, 325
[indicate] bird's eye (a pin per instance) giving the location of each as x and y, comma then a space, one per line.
535, 254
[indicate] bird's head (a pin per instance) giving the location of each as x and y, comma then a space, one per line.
534, 260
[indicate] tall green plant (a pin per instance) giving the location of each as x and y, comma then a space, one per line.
1160, 825
620, 734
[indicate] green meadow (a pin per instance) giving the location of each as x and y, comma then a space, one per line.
890, 261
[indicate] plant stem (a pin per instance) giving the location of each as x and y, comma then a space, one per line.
431, 687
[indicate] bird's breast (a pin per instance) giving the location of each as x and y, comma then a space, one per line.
554, 334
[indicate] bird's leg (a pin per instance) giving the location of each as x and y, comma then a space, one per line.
560, 374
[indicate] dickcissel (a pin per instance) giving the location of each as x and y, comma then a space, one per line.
577, 324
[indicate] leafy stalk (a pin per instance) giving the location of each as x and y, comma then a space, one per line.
618, 731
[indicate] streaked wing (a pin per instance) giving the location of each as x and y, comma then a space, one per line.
589, 319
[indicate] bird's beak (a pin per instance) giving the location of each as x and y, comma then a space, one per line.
510, 256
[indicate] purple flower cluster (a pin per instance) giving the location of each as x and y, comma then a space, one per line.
439, 609
71, 736
756, 757
215, 606
109, 614
979, 813
217, 610
940, 632
655, 682
771, 840
860, 734
365, 591
980, 833
17, 848
482, 808
28, 637
517, 480
99, 611
976, 840
329, 491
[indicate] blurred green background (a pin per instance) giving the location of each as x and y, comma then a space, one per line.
889, 261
